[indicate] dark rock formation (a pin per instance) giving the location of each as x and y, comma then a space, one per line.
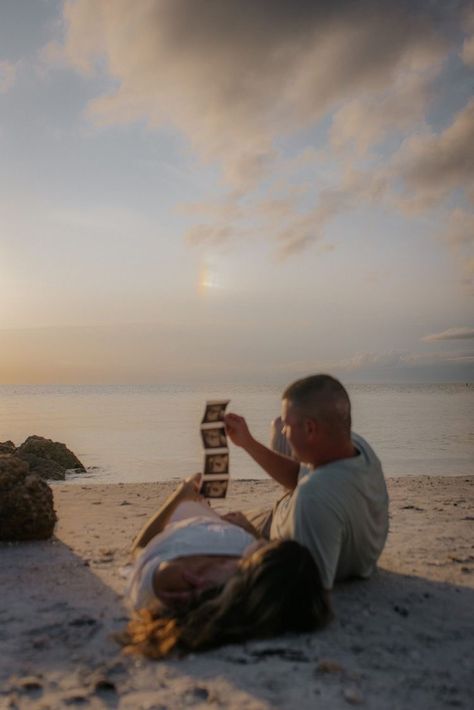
52, 451
26, 502
7, 447
44, 468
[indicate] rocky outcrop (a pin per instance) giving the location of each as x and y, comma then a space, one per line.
26, 502
44, 468
52, 451
7, 447
48, 459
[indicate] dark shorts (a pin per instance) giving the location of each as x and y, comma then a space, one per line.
261, 518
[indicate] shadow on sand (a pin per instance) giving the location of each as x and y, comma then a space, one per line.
397, 641
56, 617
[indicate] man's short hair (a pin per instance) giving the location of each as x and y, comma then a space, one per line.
324, 398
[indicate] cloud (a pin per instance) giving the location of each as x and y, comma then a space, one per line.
468, 279
7, 76
364, 122
393, 364
309, 227
431, 166
459, 229
467, 52
234, 75
451, 334
237, 77
398, 360
210, 234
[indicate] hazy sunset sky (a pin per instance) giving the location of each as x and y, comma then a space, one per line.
236, 189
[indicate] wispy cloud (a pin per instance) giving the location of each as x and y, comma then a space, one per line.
236, 77
433, 165
467, 52
364, 122
459, 229
384, 362
7, 76
451, 334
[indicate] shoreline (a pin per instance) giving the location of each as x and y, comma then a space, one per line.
402, 638
88, 479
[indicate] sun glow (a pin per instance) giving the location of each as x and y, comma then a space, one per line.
207, 280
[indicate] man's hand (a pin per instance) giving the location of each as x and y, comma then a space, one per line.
238, 430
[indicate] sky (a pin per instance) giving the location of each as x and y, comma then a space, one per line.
209, 190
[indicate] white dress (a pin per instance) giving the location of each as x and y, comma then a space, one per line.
194, 529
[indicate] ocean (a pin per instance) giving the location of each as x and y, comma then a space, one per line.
141, 433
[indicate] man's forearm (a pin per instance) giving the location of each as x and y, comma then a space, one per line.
281, 468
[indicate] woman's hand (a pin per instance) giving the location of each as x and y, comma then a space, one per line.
238, 430
236, 517
189, 488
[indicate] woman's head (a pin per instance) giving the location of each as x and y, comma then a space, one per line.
280, 589
276, 589
176, 581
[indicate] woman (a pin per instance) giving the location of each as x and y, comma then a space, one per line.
200, 581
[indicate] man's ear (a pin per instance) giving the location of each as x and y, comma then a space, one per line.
311, 427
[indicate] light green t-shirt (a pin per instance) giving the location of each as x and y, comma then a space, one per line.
340, 513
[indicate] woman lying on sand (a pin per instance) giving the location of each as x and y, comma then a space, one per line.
200, 581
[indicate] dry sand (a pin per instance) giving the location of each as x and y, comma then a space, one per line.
403, 639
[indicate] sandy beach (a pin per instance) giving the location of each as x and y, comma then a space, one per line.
400, 640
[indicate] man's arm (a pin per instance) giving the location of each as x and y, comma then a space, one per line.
281, 468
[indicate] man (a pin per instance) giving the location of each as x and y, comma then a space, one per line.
337, 503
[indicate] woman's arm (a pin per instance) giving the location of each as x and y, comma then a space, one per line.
187, 490
236, 517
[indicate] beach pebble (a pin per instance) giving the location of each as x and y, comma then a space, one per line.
104, 685
29, 683
197, 694
327, 665
76, 700
353, 696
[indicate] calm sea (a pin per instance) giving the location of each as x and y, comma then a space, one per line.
151, 433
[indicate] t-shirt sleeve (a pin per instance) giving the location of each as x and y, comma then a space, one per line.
318, 527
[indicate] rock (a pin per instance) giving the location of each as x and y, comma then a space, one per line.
44, 468
7, 447
51, 450
26, 502
328, 665
353, 696
30, 684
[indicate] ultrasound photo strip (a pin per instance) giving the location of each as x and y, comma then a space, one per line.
216, 462
215, 410
214, 488
213, 436
215, 480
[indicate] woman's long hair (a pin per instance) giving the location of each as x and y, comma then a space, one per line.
275, 590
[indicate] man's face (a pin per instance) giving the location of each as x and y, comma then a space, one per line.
295, 430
